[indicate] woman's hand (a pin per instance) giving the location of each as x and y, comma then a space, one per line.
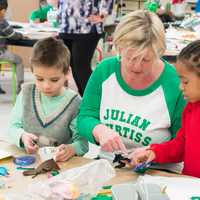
108, 139
96, 18
64, 152
29, 141
141, 155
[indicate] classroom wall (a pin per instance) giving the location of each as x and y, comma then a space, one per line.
19, 10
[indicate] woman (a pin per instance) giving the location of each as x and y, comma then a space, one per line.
81, 28
133, 100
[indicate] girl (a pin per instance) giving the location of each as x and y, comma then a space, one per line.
185, 147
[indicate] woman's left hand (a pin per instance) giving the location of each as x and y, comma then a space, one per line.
64, 152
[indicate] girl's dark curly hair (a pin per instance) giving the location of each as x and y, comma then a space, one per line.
190, 56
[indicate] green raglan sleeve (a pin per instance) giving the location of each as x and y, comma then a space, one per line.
89, 116
79, 143
174, 98
16, 130
177, 115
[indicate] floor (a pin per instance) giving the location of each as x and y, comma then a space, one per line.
6, 106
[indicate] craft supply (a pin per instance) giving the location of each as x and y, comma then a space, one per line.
24, 160
163, 190
142, 167
4, 154
3, 171
120, 160
25, 168
46, 153
47, 166
54, 172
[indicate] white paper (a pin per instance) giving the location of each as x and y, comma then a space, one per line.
4, 154
178, 188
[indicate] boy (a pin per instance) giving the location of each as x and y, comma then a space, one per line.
46, 107
40, 15
7, 32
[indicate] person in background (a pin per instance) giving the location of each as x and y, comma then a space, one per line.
40, 15
47, 107
81, 27
133, 99
2, 91
185, 146
7, 33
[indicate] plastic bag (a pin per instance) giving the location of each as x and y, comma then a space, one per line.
85, 180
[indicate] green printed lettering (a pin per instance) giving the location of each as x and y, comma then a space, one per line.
125, 130
118, 129
106, 117
135, 121
110, 125
144, 124
129, 118
132, 134
114, 114
122, 119
146, 141
138, 137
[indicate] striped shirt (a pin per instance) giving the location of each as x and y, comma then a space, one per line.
6, 33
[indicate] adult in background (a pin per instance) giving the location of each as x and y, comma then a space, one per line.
133, 99
81, 28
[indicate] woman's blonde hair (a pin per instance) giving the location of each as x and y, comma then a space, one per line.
139, 30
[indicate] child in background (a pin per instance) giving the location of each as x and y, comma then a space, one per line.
185, 147
40, 15
46, 107
7, 33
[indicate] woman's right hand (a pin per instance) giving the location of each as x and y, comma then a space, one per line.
108, 139
29, 142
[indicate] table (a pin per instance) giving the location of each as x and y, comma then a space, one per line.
18, 181
32, 32
176, 39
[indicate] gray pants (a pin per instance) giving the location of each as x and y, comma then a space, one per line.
9, 56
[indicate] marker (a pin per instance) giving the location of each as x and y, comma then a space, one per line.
25, 168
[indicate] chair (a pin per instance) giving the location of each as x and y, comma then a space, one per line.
13, 66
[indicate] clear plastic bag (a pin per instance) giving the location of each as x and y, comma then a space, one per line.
81, 182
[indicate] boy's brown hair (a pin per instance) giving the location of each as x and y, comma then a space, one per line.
3, 4
190, 56
51, 52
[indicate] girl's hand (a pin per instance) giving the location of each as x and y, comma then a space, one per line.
64, 152
108, 139
141, 155
29, 141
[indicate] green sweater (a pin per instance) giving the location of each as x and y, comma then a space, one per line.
50, 116
140, 117
41, 13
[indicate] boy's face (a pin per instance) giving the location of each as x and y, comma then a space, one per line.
49, 81
189, 82
2, 13
53, 2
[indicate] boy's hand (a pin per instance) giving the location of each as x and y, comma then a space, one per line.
64, 152
29, 142
141, 155
25, 37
